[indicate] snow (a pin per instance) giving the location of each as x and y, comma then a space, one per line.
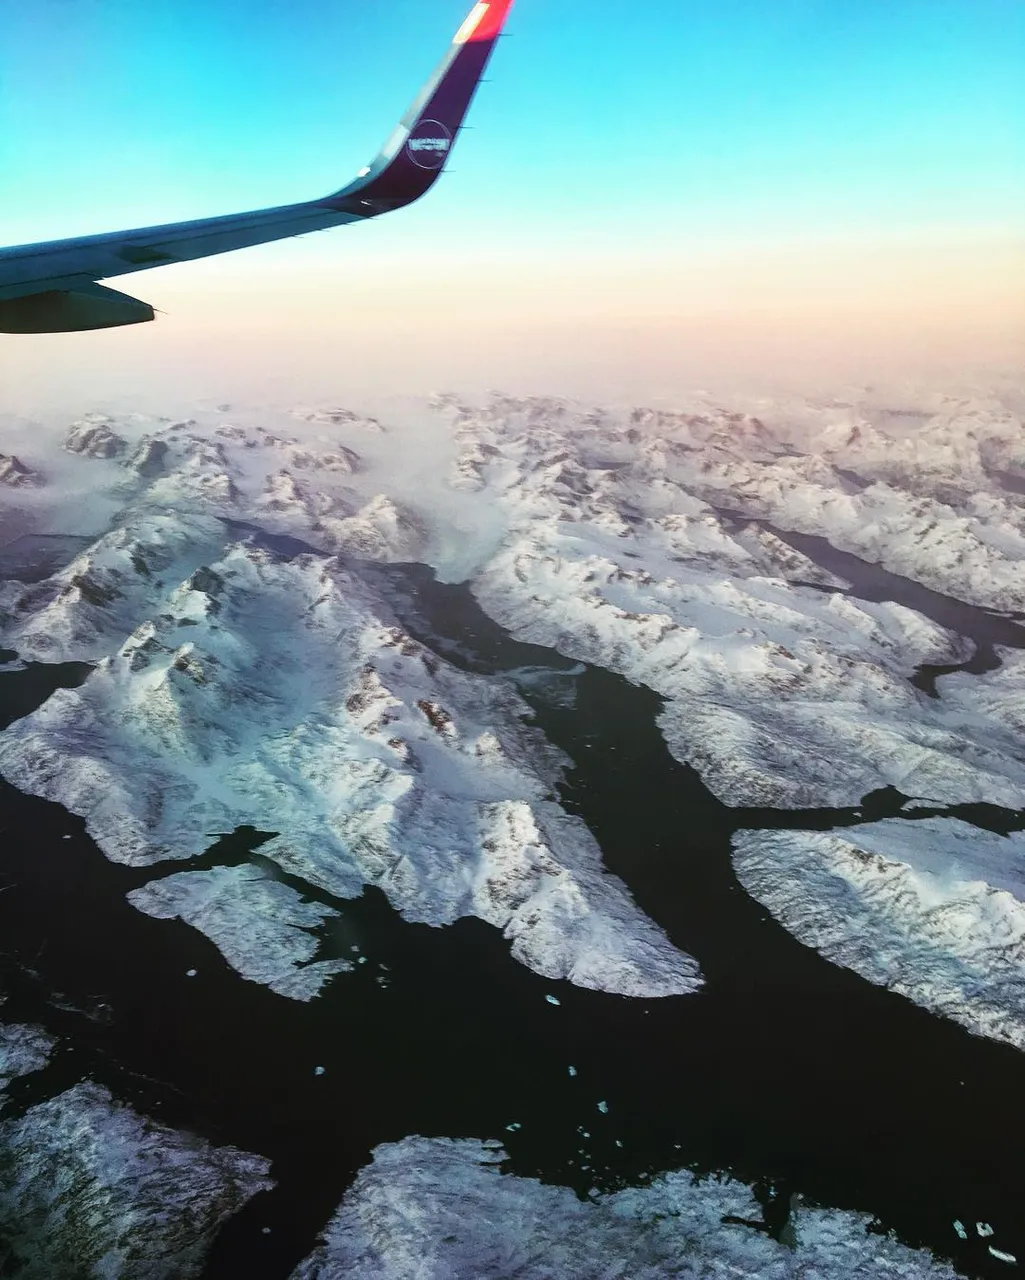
14, 474
23, 1049
780, 694
234, 687
95, 440
438, 1209
933, 909
85, 1178
263, 928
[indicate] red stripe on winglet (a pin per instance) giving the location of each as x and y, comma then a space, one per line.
493, 21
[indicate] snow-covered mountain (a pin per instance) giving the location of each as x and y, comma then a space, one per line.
234, 686
933, 909
435, 1207
249, 670
89, 1187
780, 690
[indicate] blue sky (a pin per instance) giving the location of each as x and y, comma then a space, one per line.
606, 123
649, 188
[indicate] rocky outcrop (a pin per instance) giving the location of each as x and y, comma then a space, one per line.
14, 474
95, 440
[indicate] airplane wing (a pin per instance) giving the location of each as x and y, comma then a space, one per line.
52, 287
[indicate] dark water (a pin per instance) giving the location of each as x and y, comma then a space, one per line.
22, 691
37, 555
784, 1069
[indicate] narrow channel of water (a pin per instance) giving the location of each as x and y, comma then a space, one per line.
872, 582
784, 1068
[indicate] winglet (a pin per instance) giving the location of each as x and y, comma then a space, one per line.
411, 161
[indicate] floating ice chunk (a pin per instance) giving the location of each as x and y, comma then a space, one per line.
572, 1071
552, 1000
515, 1127
603, 1107
1002, 1256
319, 1071
960, 1229
191, 973
984, 1229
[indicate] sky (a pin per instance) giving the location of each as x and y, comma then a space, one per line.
649, 195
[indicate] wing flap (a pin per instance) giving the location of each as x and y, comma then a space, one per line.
92, 306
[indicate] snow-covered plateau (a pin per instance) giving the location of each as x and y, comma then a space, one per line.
436, 1209
88, 1187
